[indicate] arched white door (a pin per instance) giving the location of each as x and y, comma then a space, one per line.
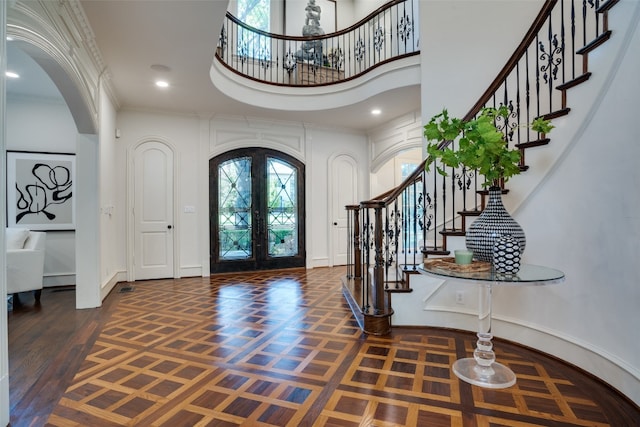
153, 212
344, 191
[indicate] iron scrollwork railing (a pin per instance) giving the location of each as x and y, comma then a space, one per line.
389, 33
418, 215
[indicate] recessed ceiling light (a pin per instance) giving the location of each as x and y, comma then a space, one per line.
162, 83
160, 67
11, 74
376, 112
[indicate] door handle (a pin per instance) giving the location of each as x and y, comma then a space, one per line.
259, 222
335, 223
169, 227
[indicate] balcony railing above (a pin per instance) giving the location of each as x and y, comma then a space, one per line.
389, 33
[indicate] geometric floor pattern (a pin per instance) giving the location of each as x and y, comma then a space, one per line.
283, 349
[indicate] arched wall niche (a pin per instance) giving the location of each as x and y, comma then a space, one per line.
404, 133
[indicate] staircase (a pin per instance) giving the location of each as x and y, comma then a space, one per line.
391, 233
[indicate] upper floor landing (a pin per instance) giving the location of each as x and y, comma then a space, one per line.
317, 67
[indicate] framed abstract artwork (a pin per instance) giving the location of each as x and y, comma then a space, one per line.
40, 190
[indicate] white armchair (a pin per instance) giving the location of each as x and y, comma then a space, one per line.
25, 262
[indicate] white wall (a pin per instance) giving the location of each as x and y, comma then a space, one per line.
389, 141
40, 124
464, 46
362, 8
88, 237
579, 213
389, 175
46, 125
345, 14
183, 134
312, 145
192, 136
112, 214
323, 144
585, 220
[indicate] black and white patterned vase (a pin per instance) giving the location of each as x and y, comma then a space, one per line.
506, 255
493, 223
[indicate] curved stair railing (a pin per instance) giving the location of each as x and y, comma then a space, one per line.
388, 34
392, 232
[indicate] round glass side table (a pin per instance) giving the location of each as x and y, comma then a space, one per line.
482, 369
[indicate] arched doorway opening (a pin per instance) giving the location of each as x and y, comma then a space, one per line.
83, 136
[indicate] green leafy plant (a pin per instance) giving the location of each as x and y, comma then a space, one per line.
480, 144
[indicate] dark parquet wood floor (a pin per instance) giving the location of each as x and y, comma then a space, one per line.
271, 349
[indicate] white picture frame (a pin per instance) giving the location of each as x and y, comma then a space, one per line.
40, 190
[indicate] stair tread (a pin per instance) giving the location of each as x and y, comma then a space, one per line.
536, 143
594, 43
606, 6
473, 212
575, 82
453, 232
399, 291
556, 114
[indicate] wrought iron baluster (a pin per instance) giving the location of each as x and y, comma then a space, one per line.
527, 92
351, 244
405, 218
584, 22
386, 241
357, 256
537, 94
414, 238
573, 39
518, 112
435, 214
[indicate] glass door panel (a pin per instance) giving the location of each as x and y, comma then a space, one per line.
235, 239
282, 208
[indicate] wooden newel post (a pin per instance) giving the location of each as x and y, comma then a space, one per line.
367, 222
378, 269
377, 290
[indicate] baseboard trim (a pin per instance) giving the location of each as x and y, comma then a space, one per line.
609, 368
318, 262
107, 287
61, 279
616, 372
191, 271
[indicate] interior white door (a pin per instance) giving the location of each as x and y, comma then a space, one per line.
344, 191
153, 211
